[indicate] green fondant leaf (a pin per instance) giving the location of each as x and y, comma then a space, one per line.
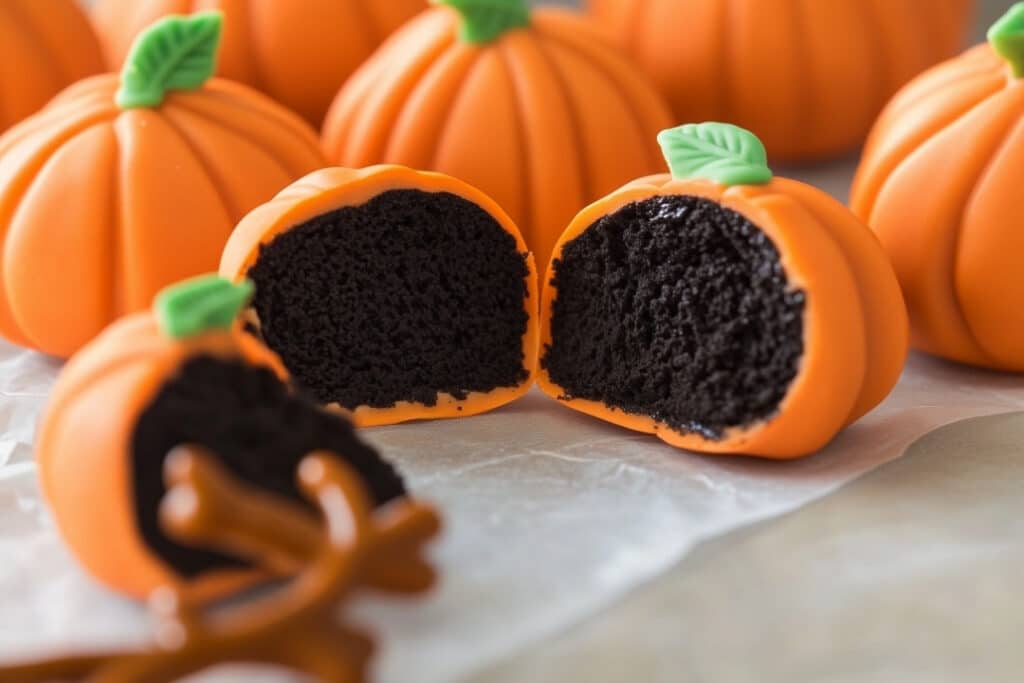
720, 152
176, 53
484, 21
1007, 38
199, 305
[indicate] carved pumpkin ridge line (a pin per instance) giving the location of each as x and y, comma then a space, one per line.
434, 153
53, 114
961, 317
254, 142
519, 116
825, 226
29, 174
262, 142
231, 211
871, 202
940, 87
765, 198
1015, 129
638, 118
116, 225
426, 56
576, 121
344, 113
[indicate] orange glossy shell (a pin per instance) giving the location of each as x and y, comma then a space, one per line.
100, 208
330, 189
544, 120
45, 47
806, 76
83, 447
940, 184
297, 51
855, 323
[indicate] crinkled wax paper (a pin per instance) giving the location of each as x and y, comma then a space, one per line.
550, 516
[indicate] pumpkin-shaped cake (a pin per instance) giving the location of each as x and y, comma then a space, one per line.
45, 47
807, 76
297, 51
534, 108
391, 293
938, 183
184, 373
722, 309
126, 184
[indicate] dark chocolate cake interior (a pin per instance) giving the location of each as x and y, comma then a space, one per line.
402, 298
260, 430
676, 308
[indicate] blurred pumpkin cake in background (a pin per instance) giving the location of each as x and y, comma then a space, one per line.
298, 52
45, 47
806, 77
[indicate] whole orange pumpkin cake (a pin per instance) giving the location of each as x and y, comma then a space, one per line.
721, 308
184, 373
806, 76
127, 183
392, 293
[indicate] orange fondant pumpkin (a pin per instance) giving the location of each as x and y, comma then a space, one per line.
44, 47
534, 108
721, 309
185, 370
108, 195
808, 77
938, 183
297, 51
318, 310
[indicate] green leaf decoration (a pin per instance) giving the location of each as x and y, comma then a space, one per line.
484, 21
1007, 38
202, 304
176, 53
720, 152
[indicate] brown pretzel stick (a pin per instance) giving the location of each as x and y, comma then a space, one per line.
206, 507
295, 627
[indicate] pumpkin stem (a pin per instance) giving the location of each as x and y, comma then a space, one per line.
176, 53
200, 305
1007, 38
484, 21
720, 152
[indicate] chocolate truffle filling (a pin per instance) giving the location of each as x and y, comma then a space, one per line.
402, 298
258, 428
679, 309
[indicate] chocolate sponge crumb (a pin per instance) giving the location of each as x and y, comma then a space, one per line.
402, 298
679, 309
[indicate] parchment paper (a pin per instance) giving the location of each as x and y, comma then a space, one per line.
550, 516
